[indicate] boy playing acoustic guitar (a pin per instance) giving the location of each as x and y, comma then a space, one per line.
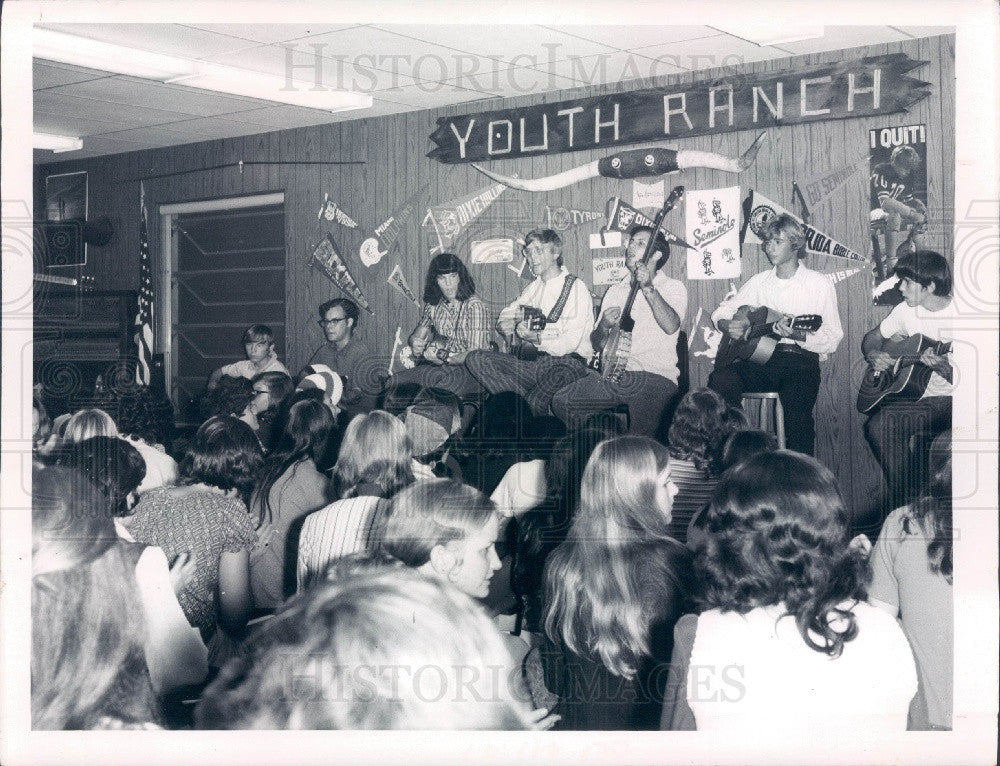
900, 432
790, 289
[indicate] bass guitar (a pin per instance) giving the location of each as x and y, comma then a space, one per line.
611, 360
759, 341
906, 380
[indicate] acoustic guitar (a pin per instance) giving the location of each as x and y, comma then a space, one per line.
611, 360
759, 341
536, 320
906, 380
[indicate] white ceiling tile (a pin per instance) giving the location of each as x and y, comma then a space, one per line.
519, 45
835, 38
627, 37
170, 39
270, 33
926, 31
509, 81
48, 74
423, 97
52, 103
284, 116
373, 44
174, 98
612, 68
709, 52
71, 125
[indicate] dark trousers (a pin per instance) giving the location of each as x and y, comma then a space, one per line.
794, 374
900, 436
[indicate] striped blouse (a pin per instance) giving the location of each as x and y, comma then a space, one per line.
467, 325
342, 528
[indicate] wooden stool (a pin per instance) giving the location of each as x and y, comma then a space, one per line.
764, 418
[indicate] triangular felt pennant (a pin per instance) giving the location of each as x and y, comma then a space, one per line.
562, 218
331, 212
840, 276
758, 210
446, 220
397, 280
326, 258
622, 216
704, 337
387, 233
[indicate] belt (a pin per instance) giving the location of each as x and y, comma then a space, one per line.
795, 348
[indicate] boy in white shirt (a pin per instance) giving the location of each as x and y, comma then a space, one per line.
258, 343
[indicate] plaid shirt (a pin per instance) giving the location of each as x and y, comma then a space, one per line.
467, 325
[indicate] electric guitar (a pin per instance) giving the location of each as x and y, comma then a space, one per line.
908, 377
759, 341
613, 358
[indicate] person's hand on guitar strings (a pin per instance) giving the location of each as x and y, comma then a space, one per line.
879, 361
784, 328
938, 363
524, 332
643, 275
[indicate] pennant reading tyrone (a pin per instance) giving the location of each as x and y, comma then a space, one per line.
712, 228
445, 221
758, 209
561, 218
326, 258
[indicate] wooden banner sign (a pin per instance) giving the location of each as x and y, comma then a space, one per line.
854, 88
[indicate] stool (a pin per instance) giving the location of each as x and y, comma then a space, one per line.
764, 417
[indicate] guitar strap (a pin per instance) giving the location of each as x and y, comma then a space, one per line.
557, 310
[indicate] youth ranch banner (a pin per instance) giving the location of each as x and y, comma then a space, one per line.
860, 87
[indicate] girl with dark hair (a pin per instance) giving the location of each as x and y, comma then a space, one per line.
701, 423
375, 461
785, 639
613, 591
290, 487
206, 516
912, 580
88, 670
174, 651
269, 391
454, 322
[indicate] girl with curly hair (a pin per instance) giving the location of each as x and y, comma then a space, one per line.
206, 516
613, 591
786, 639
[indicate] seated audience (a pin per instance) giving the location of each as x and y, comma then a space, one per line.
389, 648
290, 486
258, 345
88, 667
206, 516
86, 423
786, 638
375, 461
613, 591
230, 396
912, 580
701, 422
174, 651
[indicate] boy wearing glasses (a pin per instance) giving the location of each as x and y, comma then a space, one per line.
790, 289
258, 344
346, 355
561, 335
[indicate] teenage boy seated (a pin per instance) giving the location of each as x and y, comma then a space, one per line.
258, 343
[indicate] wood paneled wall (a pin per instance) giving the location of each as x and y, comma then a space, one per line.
393, 151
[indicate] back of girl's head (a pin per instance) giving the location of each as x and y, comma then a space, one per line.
376, 449
777, 533
230, 397
145, 413
934, 509
279, 385
113, 465
385, 649
86, 615
86, 423
306, 430
565, 466
224, 453
699, 425
428, 513
743, 445
618, 502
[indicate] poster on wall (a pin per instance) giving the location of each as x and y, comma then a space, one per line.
609, 270
712, 220
897, 158
492, 251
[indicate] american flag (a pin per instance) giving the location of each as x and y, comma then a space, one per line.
143, 325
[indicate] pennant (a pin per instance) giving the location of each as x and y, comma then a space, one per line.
758, 209
622, 216
840, 276
397, 280
401, 356
386, 234
819, 186
331, 212
712, 221
562, 218
523, 271
445, 221
326, 258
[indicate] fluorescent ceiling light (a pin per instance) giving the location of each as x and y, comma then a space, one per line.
777, 32
109, 57
56, 143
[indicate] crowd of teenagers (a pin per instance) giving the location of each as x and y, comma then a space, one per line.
293, 565
501, 535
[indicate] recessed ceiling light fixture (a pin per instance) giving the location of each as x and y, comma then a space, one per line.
109, 57
56, 143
